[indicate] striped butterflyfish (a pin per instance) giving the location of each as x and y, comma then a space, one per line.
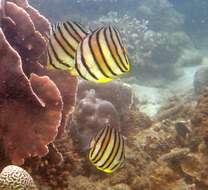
106, 151
63, 41
97, 56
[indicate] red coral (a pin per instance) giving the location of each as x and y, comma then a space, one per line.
67, 85
23, 36
31, 110
31, 46
26, 108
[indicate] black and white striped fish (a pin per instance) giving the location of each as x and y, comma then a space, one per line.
97, 56
62, 44
107, 150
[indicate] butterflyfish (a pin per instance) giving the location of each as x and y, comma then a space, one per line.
97, 56
106, 151
63, 41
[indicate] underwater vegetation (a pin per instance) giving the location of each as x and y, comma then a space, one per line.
48, 117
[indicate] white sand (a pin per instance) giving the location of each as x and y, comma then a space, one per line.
152, 98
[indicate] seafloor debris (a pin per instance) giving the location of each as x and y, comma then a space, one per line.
13, 177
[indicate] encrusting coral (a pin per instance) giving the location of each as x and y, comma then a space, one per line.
35, 103
13, 177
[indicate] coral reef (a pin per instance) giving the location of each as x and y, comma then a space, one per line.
165, 50
31, 101
168, 152
199, 120
164, 155
190, 57
200, 80
177, 108
13, 177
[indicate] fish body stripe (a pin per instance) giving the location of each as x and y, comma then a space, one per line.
123, 54
121, 159
109, 146
114, 36
120, 42
56, 55
113, 151
102, 54
95, 58
79, 28
61, 46
83, 60
77, 36
77, 68
103, 144
104, 147
65, 38
97, 138
110, 43
51, 62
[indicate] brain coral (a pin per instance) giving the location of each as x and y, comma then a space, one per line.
15, 178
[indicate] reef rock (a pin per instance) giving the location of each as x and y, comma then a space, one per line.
201, 80
112, 103
118, 93
90, 116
